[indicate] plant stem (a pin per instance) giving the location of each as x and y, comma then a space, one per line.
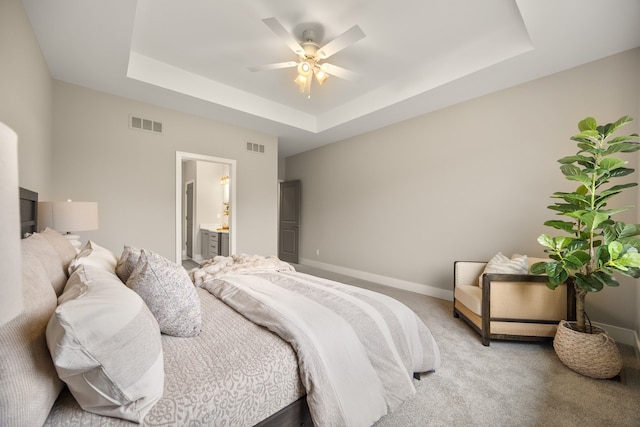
581, 295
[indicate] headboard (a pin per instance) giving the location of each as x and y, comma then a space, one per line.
28, 212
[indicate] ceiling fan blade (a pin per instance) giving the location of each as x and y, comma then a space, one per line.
285, 35
334, 70
345, 39
275, 66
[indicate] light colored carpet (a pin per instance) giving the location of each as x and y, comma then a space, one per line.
505, 384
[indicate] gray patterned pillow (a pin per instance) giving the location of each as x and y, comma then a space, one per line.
169, 293
127, 262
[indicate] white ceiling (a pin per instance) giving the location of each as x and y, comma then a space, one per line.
417, 56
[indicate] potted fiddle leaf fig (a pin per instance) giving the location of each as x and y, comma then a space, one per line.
593, 247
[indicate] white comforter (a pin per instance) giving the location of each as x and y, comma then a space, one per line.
356, 349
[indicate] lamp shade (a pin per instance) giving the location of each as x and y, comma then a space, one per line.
10, 254
68, 216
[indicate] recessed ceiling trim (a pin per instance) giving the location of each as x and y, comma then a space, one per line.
158, 73
457, 65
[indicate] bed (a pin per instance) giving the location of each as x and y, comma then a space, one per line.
250, 361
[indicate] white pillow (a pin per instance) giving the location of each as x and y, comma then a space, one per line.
169, 293
105, 345
95, 255
501, 264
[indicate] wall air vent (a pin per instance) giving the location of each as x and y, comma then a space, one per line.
256, 148
145, 124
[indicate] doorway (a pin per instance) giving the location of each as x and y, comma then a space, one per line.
182, 234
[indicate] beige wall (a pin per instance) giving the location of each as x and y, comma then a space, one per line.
25, 96
463, 183
131, 173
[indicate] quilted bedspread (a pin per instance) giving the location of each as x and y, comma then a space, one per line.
356, 349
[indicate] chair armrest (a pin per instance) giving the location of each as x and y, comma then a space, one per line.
467, 272
526, 297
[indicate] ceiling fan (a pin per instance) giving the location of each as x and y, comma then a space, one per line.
311, 55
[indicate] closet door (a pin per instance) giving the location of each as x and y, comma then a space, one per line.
289, 227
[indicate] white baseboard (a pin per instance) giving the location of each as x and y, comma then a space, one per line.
383, 280
621, 335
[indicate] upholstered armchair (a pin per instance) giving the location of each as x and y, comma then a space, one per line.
509, 306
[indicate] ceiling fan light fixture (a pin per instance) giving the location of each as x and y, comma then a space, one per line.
320, 74
301, 80
304, 68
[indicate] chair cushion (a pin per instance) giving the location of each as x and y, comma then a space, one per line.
471, 297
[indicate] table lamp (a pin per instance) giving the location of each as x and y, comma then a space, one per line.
67, 217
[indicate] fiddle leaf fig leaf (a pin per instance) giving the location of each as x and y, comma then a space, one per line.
561, 225
615, 125
582, 255
611, 163
618, 188
621, 144
587, 124
605, 279
574, 173
593, 219
538, 268
629, 259
583, 160
632, 272
572, 262
556, 275
547, 241
615, 249
588, 283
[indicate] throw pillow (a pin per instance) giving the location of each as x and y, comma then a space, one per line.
61, 244
106, 346
53, 265
96, 255
28, 379
501, 264
127, 262
169, 293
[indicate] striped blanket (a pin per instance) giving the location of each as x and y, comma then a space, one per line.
356, 349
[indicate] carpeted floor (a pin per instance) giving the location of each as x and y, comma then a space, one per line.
505, 384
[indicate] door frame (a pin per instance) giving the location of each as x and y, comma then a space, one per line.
193, 209
182, 156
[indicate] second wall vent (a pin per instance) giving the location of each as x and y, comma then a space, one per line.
256, 148
145, 124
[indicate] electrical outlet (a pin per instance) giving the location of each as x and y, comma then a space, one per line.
317, 252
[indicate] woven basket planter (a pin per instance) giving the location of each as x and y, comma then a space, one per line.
594, 355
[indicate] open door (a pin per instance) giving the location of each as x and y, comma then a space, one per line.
289, 227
